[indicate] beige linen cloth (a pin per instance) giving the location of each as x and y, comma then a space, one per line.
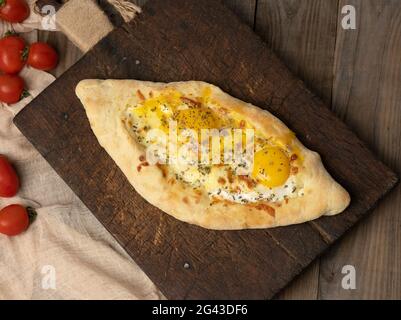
66, 253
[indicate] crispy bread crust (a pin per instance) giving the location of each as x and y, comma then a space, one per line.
104, 102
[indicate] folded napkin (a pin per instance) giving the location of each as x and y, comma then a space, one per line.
66, 253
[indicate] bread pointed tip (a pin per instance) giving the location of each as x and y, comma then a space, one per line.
339, 200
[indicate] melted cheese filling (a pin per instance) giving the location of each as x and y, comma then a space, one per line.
270, 178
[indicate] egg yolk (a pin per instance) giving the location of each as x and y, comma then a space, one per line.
271, 167
197, 119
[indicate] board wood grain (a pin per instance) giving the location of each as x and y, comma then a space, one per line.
244, 9
367, 95
303, 35
216, 47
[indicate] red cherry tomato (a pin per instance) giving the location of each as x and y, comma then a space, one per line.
42, 56
11, 88
12, 50
14, 11
14, 220
9, 181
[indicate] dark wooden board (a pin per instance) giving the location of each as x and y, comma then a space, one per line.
184, 40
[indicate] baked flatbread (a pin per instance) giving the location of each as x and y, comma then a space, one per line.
275, 182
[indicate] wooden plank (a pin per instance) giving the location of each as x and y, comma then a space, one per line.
305, 286
303, 35
367, 94
214, 47
140, 3
309, 54
244, 9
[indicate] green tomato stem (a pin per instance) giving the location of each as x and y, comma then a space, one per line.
31, 214
25, 94
25, 53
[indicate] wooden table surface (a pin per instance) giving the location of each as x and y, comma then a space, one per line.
358, 73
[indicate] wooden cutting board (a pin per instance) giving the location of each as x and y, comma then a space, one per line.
175, 40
